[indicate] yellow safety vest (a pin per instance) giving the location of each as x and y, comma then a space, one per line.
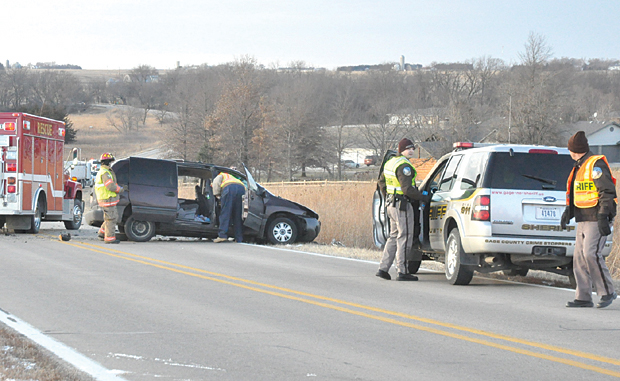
389, 172
228, 179
101, 191
585, 193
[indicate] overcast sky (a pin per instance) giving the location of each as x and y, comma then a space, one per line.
122, 34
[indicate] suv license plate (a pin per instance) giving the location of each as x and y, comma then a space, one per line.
543, 213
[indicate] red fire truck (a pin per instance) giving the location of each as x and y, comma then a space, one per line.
33, 184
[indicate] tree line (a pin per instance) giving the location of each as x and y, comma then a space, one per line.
289, 120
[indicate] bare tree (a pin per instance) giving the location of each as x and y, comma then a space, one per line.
537, 95
537, 53
193, 96
238, 113
55, 88
384, 101
124, 119
345, 107
17, 87
144, 89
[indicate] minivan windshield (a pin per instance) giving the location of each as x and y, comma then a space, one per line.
529, 171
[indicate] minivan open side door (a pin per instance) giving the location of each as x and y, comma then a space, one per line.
253, 204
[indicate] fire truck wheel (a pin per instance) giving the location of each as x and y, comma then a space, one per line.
139, 231
76, 222
35, 222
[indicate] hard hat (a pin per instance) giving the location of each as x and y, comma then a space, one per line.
107, 156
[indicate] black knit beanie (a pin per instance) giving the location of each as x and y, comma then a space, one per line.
404, 144
578, 143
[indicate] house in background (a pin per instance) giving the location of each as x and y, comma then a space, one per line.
603, 137
606, 141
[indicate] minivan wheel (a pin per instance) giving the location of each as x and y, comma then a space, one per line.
456, 273
281, 230
139, 231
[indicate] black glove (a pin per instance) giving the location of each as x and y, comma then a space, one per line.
565, 220
603, 225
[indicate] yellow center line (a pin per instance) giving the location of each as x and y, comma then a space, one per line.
197, 273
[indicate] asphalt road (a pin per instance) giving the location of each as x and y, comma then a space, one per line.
196, 310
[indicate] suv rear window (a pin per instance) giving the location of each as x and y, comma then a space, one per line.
528, 171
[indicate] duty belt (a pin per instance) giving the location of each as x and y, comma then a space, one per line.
394, 199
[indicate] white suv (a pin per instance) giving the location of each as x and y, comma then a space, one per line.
494, 207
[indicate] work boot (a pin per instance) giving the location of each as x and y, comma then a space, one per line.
580, 303
606, 300
383, 274
116, 241
220, 239
404, 277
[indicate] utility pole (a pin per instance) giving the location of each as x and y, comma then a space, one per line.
509, 116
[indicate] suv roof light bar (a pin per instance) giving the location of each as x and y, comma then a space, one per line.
463, 145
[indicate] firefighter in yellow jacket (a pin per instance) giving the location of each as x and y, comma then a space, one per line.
107, 192
397, 184
591, 200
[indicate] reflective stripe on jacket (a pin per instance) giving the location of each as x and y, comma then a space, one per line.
585, 193
106, 197
228, 179
392, 185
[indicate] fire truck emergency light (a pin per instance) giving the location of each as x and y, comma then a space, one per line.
11, 189
11, 167
9, 126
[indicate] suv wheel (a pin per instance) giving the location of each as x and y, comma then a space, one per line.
139, 231
281, 231
455, 272
413, 266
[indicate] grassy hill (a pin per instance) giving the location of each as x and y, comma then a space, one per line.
95, 134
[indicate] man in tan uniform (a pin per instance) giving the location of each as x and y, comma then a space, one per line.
397, 184
591, 199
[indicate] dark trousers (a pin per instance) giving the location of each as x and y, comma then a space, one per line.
232, 210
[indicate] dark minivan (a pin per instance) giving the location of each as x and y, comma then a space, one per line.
152, 205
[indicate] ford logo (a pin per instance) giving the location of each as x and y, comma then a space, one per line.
550, 199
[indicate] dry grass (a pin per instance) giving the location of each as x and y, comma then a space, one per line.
95, 135
345, 209
20, 359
